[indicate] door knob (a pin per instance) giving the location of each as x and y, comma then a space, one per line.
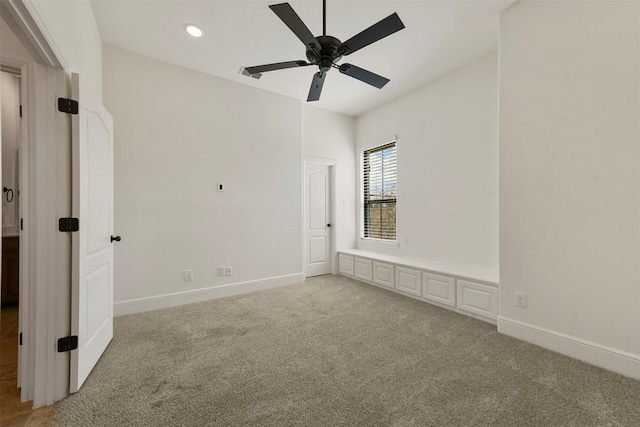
116, 238
328, 225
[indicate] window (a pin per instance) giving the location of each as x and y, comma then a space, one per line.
379, 191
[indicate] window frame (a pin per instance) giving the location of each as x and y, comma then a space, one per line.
361, 191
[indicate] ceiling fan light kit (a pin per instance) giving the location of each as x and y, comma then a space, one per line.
326, 51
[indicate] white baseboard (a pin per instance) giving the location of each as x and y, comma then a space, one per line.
140, 305
624, 363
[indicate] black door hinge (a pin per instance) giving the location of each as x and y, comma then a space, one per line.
67, 343
68, 106
21, 224
21, 111
68, 224
20, 339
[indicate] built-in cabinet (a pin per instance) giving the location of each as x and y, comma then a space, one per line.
466, 295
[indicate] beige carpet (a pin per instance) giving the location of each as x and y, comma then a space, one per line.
334, 351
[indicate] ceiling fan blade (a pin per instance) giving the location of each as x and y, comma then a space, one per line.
276, 66
363, 75
382, 29
316, 86
286, 13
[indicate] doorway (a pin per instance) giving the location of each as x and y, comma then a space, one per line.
10, 83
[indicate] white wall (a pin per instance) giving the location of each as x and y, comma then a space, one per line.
10, 90
569, 178
331, 136
177, 133
72, 32
447, 209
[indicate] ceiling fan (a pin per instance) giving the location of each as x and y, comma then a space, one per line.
325, 51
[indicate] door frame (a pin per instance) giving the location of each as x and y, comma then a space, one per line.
44, 315
331, 163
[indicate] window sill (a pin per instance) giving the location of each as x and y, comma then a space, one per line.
379, 244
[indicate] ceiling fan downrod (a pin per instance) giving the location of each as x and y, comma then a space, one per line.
324, 17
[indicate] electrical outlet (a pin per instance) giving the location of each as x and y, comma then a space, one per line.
188, 275
221, 271
521, 299
227, 271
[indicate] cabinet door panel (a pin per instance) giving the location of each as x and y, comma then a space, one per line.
364, 269
408, 281
478, 298
383, 274
437, 288
345, 265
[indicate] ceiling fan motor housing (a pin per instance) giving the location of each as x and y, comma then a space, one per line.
328, 54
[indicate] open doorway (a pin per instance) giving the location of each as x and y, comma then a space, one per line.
10, 84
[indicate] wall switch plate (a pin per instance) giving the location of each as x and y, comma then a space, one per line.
521, 299
227, 271
221, 271
188, 275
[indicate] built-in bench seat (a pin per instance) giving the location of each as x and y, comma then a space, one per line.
469, 291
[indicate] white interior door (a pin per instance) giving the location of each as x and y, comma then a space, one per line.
92, 285
317, 220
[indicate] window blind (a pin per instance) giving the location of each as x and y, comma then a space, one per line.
380, 186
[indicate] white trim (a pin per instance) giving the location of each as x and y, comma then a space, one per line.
14, 66
320, 160
48, 133
140, 305
377, 143
596, 354
371, 244
46, 41
367, 242
31, 30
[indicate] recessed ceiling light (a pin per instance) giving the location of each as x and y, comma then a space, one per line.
193, 30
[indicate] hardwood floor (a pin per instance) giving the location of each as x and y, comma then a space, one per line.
14, 413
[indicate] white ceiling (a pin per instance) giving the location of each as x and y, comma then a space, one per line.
440, 36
